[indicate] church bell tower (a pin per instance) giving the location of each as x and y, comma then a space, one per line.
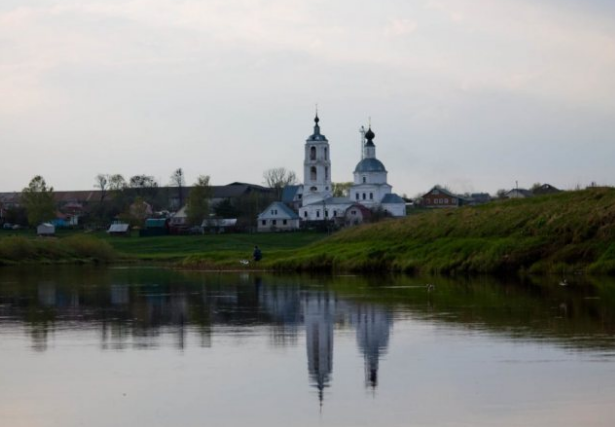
316, 167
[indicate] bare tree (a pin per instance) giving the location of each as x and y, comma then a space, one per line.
278, 178
178, 180
101, 181
117, 182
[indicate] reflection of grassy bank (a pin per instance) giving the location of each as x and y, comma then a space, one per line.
580, 315
567, 232
74, 249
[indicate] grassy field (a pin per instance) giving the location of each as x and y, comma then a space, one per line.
22, 245
563, 233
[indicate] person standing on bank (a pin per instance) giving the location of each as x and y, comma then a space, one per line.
257, 254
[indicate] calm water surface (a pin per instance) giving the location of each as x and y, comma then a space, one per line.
83, 346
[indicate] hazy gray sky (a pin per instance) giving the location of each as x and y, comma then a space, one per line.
473, 94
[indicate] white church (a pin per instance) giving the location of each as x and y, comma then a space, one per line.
369, 191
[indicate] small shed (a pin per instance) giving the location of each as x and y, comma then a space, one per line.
356, 214
119, 229
155, 227
46, 229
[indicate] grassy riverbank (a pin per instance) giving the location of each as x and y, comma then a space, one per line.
23, 249
563, 233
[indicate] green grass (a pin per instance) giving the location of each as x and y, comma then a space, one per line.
567, 232
562, 233
20, 249
237, 245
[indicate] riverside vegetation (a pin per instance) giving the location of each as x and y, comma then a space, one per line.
561, 233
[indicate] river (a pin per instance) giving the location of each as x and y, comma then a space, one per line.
136, 346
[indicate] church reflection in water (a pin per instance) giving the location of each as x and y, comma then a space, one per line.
129, 315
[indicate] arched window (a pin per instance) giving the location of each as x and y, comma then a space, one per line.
313, 189
326, 173
363, 196
364, 180
312, 153
313, 174
371, 196
326, 154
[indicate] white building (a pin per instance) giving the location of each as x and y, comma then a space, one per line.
370, 187
278, 217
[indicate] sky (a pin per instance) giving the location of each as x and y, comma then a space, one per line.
471, 94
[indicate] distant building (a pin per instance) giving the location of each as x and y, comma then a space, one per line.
370, 187
545, 189
439, 197
278, 217
519, 193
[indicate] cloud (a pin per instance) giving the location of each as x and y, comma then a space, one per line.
400, 27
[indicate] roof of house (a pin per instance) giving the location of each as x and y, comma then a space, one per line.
364, 211
546, 189
442, 190
392, 198
289, 192
282, 208
523, 191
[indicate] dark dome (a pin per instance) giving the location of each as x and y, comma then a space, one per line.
370, 134
370, 165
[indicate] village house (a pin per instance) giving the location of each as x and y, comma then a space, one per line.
440, 197
278, 217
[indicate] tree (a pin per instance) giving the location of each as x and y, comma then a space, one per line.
341, 189
37, 198
144, 186
279, 178
177, 180
117, 182
225, 209
101, 181
198, 201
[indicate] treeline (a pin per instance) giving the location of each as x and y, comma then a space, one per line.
138, 197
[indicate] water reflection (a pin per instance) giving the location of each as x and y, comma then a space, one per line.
135, 308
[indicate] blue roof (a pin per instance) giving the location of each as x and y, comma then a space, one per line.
289, 192
392, 198
282, 207
370, 165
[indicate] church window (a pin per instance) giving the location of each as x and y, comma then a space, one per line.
326, 154
284, 222
313, 189
357, 196
317, 214
363, 196
305, 214
313, 174
364, 180
312, 153
327, 174
371, 196
264, 222
326, 213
